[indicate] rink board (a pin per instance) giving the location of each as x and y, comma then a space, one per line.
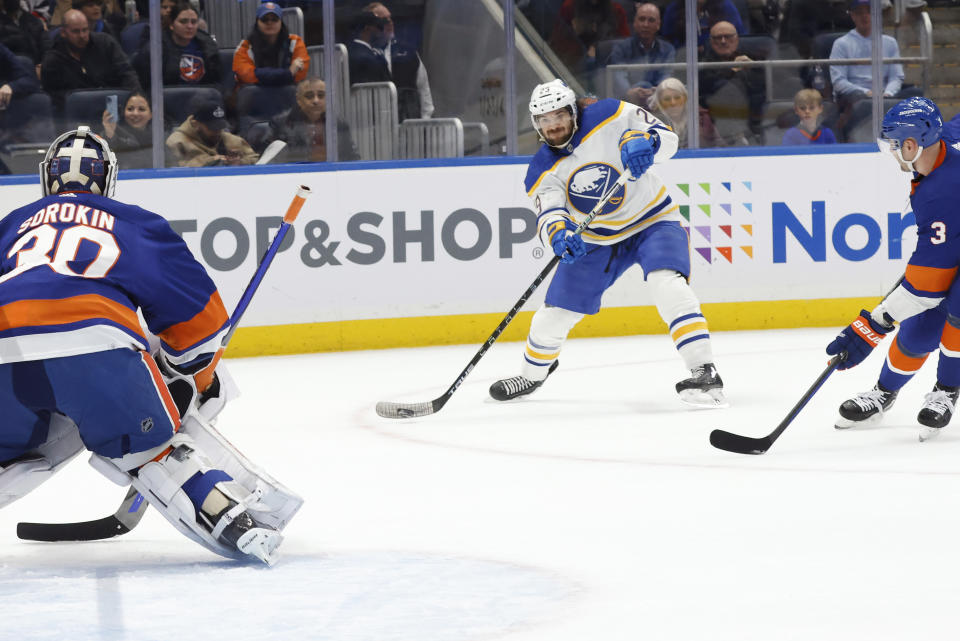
389, 254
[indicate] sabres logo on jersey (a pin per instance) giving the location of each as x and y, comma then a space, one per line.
191, 68
588, 184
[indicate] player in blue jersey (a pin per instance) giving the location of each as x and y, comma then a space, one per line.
585, 152
927, 301
75, 269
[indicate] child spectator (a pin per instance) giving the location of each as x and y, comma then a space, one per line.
808, 103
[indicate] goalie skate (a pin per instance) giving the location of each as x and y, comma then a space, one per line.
866, 408
937, 410
704, 388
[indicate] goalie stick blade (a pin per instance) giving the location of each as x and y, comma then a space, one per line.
126, 518
407, 410
737, 444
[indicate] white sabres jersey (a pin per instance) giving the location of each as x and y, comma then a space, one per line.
568, 183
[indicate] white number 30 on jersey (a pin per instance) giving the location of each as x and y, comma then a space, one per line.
35, 247
939, 233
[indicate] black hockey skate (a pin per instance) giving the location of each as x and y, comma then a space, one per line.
245, 534
704, 388
510, 388
866, 408
937, 410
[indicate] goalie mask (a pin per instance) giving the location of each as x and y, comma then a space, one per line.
79, 160
547, 98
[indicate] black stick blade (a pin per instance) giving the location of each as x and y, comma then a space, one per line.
126, 518
738, 444
405, 410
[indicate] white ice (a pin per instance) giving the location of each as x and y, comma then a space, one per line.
594, 510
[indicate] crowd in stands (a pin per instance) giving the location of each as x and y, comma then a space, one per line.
53, 52
737, 105
67, 62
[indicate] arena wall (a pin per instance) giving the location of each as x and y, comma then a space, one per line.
435, 252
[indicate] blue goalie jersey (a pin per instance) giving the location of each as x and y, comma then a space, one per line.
77, 267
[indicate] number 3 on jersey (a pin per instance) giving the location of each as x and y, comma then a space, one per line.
939, 233
64, 251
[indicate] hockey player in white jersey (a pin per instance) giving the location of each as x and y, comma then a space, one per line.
584, 154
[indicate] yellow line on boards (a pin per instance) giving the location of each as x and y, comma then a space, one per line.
384, 333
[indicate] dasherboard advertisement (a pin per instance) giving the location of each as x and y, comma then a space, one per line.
437, 241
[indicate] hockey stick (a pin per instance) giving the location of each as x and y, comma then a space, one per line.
730, 442
133, 506
411, 410
738, 444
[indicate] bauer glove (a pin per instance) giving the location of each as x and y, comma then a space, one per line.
858, 339
637, 149
567, 245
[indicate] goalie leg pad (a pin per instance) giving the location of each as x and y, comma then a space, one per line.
204, 503
548, 331
25, 473
276, 505
679, 308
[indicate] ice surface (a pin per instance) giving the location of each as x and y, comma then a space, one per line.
594, 510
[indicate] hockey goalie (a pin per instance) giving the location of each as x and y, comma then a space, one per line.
76, 371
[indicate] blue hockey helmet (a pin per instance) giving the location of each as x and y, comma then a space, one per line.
79, 160
918, 118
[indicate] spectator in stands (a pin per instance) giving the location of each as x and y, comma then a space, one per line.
271, 56
852, 83
414, 99
203, 140
582, 24
734, 95
22, 32
93, 10
189, 55
670, 104
808, 105
643, 47
365, 51
132, 132
16, 79
303, 128
710, 12
79, 59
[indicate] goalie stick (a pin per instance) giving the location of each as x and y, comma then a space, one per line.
388, 409
133, 506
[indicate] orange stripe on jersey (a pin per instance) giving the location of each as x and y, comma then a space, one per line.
930, 279
950, 338
902, 362
60, 311
204, 324
162, 390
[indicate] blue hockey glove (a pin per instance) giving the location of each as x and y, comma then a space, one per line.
858, 340
637, 149
567, 245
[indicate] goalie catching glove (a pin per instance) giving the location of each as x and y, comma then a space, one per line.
858, 339
637, 149
566, 244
